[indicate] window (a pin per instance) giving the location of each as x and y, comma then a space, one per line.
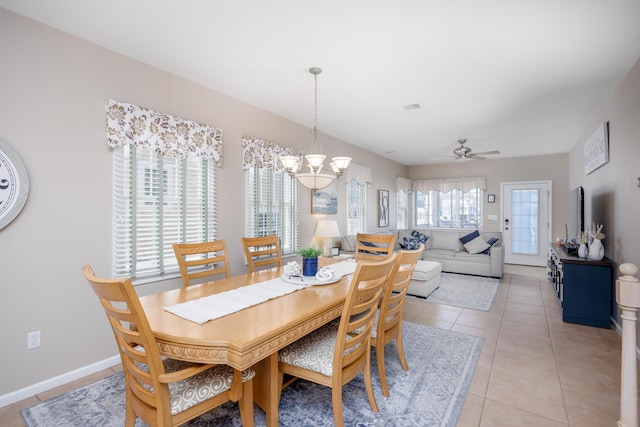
158, 201
272, 206
163, 186
356, 207
453, 209
271, 195
357, 179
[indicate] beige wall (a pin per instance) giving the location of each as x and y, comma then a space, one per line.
496, 171
611, 195
54, 89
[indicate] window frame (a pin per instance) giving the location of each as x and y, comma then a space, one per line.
464, 209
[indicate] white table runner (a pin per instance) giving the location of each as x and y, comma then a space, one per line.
218, 305
343, 268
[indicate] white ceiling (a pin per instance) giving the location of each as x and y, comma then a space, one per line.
525, 78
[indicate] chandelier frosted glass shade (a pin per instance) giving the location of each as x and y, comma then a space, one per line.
315, 181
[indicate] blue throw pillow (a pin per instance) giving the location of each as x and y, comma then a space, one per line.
492, 241
411, 243
371, 245
469, 237
422, 238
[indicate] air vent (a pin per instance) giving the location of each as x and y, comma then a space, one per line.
409, 107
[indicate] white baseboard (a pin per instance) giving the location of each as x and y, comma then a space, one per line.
34, 389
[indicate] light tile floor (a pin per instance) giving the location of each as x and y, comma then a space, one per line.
534, 369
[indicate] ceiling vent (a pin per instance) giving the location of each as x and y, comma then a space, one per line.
410, 107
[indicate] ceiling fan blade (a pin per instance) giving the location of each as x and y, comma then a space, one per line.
476, 157
486, 153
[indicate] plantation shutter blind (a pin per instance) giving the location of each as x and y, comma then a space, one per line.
161, 201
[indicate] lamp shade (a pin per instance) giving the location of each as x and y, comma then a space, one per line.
327, 228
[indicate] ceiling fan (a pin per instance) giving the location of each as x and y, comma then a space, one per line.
463, 153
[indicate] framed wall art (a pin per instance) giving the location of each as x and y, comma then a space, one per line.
383, 208
596, 149
325, 201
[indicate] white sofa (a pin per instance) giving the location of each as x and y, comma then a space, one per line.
445, 247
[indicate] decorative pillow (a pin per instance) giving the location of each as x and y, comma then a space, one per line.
469, 237
447, 240
400, 240
369, 244
422, 238
411, 243
473, 243
348, 243
492, 241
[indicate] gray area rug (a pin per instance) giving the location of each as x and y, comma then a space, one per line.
431, 393
465, 291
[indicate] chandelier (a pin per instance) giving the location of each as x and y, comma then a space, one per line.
318, 176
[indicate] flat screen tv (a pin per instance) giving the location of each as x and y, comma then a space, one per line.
575, 224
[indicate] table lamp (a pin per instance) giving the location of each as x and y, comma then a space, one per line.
327, 229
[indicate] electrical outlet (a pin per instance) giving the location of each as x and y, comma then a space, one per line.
33, 340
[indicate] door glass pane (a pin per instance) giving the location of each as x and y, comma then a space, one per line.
524, 208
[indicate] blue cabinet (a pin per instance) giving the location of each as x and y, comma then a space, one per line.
583, 287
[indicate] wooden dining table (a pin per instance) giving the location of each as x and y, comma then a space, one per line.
247, 338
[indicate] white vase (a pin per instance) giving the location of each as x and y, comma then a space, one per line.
583, 251
596, 250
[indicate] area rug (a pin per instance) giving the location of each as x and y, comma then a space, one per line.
431, 393
465, 291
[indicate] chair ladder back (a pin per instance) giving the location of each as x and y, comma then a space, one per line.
202, 260
374, 247
262, 251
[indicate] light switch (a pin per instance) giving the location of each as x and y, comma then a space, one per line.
492, 217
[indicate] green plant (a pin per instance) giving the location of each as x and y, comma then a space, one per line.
309, 252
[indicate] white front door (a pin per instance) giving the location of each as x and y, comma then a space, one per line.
526, 208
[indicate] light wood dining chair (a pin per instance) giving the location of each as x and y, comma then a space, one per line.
374, 247
336, 353
164, 392
202, 261
262, 252
388, 321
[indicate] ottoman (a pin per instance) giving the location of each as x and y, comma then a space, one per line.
425, 278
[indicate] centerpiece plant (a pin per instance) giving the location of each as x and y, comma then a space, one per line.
309, 260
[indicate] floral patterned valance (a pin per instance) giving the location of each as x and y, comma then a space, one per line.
168, 135
264, 154
445, 185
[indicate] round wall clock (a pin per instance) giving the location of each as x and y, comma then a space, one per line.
14, 184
